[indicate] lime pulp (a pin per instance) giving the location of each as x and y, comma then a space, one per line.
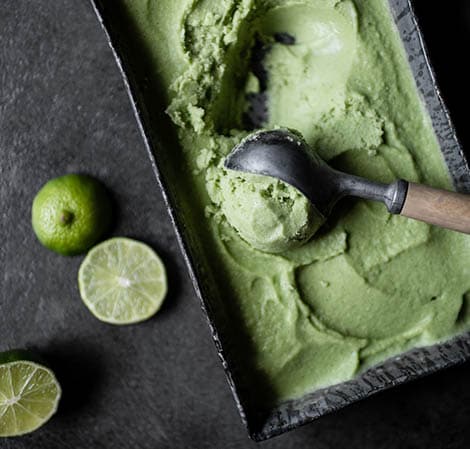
122, 281
29, 394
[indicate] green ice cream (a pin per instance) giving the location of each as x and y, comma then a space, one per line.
269, 214
368, 285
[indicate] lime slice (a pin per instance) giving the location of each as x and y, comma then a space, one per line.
29, 394
122, 281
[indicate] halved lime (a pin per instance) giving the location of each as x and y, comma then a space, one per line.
122, 281
29, 394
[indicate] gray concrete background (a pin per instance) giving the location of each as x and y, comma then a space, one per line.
159, 384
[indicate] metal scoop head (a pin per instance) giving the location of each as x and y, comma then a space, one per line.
283, 154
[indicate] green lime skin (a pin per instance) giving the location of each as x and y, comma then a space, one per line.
71, 213
20, 354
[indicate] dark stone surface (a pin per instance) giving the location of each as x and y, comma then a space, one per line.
159, 384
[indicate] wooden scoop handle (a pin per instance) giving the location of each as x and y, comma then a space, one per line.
438, 207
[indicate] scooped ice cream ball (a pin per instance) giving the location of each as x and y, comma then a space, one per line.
269, 214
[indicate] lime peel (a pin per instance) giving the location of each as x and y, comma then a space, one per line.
71, 213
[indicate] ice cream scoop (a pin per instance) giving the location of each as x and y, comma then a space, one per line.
283, 154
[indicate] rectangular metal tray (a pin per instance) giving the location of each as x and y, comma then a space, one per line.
262, 424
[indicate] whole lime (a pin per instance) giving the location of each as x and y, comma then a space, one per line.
71, 213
